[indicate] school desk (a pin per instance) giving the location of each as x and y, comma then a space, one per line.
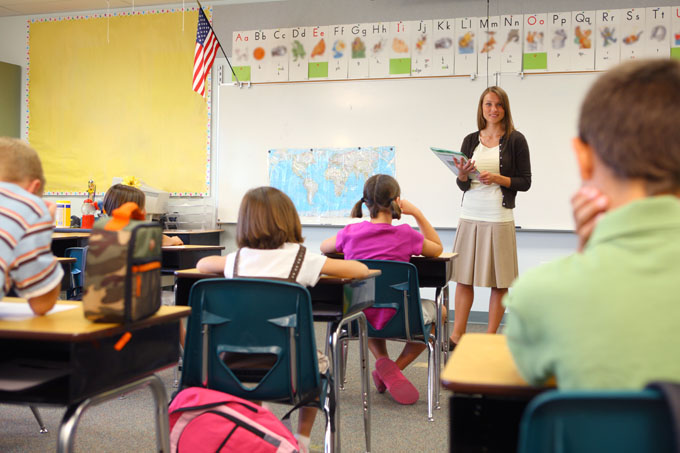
75, 363
196, 237
433, 273
489, 395
61, 240
336, 301
177, 257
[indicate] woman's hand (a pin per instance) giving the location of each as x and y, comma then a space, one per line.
588, 205
487, 178
464, 168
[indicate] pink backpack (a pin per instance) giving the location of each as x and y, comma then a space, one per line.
204, 420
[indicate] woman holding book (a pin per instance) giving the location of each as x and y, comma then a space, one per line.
485, 238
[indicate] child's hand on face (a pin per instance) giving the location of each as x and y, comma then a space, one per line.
407, 207
588, 205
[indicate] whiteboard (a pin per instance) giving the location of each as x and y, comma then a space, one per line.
411, 115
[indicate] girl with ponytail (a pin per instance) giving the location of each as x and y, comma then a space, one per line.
379, 239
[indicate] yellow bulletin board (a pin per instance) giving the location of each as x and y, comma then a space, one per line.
111, 95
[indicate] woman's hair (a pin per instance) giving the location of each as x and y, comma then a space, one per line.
120, 194
629, 118
380, 193
267, 219
507, 118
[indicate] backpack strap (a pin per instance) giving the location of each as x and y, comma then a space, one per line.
297, 264
670, 392
120, 217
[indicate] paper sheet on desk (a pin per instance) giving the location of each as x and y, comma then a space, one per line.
447, 157
13, 311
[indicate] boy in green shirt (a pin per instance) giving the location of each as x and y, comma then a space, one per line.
607, 317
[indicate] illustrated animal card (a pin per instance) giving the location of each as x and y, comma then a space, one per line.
399, 51
510, 40
358, 63
421, 48
559, 41
340, 42
607, 38
466, 45
298, 56
535, 31
443, 46
240, 55
658, 36
633, 33
489, 55
377, 46
277, 47
583, 50
317, 42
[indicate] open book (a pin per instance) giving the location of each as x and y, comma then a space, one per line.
447, 157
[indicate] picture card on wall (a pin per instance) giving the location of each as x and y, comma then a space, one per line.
377, 43
261, 60
466, 45
489, 55
340, 42
298, 66
358, 63
511, 43
443, 46
535, 55
318, 56
658, 37
607, 39
633, 33
560, 41
240, 55
277, 47
583, 51
421, 48
675, 32
400, 48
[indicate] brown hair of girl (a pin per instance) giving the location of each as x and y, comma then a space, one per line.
119, 194
380, 194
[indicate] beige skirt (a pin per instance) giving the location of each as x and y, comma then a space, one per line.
487, 254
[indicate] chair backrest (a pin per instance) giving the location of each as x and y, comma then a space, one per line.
590, 421
397, 287
78, 269
251, 338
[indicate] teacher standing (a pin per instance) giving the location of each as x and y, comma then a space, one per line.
485, 238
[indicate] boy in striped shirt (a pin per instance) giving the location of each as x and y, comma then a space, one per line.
26, 223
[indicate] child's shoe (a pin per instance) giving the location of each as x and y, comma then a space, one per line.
399, 387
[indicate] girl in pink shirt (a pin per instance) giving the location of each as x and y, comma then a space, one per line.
379, 239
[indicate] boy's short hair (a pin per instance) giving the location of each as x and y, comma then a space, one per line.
267, 219
119, 194
19, 162
629, 118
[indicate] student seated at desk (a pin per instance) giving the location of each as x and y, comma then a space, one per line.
606, 318
269, 237
379, 239
26, 225
119, 194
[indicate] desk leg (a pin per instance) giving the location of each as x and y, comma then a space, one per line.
336, 359
67, 429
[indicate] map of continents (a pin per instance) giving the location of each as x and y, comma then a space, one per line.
326, 182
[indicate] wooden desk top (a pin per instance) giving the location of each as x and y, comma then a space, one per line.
66, 259
71, 325
75, 234
482, 363
193, 248
170, 232
331, 279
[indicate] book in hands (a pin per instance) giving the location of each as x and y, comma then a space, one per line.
447, 157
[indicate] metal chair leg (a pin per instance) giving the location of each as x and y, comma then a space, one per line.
431, 353
365, 384
69, 423
38, 418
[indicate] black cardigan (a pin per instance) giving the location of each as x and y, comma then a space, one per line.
514, 163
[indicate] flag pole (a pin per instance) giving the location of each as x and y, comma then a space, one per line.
220, 44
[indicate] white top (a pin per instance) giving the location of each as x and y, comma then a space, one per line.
276, 263
485, 202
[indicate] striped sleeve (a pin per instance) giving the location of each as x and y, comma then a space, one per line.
35, 271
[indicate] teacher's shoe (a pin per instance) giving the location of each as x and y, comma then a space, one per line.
396, 383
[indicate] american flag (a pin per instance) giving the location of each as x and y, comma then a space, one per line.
204, 53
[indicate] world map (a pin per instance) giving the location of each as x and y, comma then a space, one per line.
327, 182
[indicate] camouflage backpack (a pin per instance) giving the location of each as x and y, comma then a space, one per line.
123, 272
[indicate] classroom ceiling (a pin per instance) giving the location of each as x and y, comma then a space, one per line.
30, 7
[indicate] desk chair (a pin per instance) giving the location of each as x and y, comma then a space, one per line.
397, 287
596, 421
254, 338
77, 272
